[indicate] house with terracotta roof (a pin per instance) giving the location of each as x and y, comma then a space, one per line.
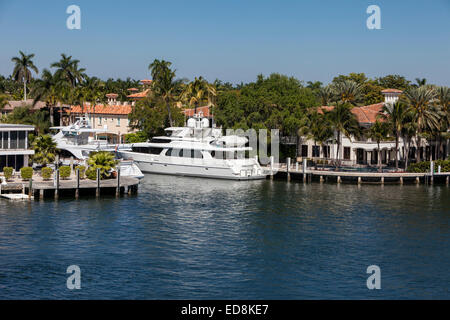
357, 150
11, 105
112, 116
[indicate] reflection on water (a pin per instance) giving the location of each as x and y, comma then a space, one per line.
204, 238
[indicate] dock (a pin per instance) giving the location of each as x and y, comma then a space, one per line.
359, 177
55, 188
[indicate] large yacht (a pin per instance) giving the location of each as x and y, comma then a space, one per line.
196, 150
76, 141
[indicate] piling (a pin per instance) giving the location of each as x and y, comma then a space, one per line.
118, 183
57, 184
382, 180
401, 180
77, 190
97, 192
288, 164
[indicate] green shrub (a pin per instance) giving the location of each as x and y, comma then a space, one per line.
46, 173
91, 173
64, 172
82, 170
8, 171
424, 166
26, 173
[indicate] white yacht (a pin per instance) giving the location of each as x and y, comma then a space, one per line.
77, 141
196, 150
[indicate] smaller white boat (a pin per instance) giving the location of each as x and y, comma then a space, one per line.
77, 141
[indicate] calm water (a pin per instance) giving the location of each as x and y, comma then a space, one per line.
194, 238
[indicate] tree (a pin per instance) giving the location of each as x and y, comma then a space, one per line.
164, 84
103, 160
394, 115
3, 101
419, 101
343, 122
22, 72
421, 82
379, 132
44, 150
320, 129
348, 91
443, 104
49, 89
67, 70
151, 116
325, 95
196, 92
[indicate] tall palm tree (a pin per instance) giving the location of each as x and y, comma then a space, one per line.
343, 122
67, 69
409, 130
320, 129
48, 88
3, 101
379, 132
163, 84
419, 102
196, 92
22, 72
394, 115
348, 91
443, 104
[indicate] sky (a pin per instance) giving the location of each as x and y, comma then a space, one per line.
234, 40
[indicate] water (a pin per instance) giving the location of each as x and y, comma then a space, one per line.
197, 239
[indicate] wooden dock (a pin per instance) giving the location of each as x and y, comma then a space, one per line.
360, 177
72, 188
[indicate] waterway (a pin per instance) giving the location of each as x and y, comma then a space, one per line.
185, 238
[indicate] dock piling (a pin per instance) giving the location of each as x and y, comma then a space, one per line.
97, 192
118, 183
77, 190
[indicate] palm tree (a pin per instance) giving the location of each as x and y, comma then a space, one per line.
3, 101
443, 104
409, 130
22, 72
394, 115
379, 132
320, 129
343, 122
103, 160
49, 89
163, 84
67, 69
348, 91
419, 102
196, 92
44, 150
325, 95
421, 82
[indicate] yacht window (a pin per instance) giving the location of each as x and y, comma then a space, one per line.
196, 154
174, 153
217, 155
150, 150
156, 140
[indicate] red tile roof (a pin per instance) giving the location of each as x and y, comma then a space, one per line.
146, 81
102, 109
391, 91
133, 89
204, 110
365, 114
139, 95
112, 95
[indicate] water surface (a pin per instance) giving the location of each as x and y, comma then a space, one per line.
184, 238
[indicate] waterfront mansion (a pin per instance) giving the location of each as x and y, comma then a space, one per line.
363, 151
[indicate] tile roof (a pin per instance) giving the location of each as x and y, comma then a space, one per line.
11, 105
102, 109
391, 91
204, 110
139, 95
364, 114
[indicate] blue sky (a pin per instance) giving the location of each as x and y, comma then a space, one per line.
234, 40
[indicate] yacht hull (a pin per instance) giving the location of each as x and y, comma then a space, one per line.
194, 171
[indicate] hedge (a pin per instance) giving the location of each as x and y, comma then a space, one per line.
91, 173
424, 166
46, 173
64, 172
8, 171
26, 173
